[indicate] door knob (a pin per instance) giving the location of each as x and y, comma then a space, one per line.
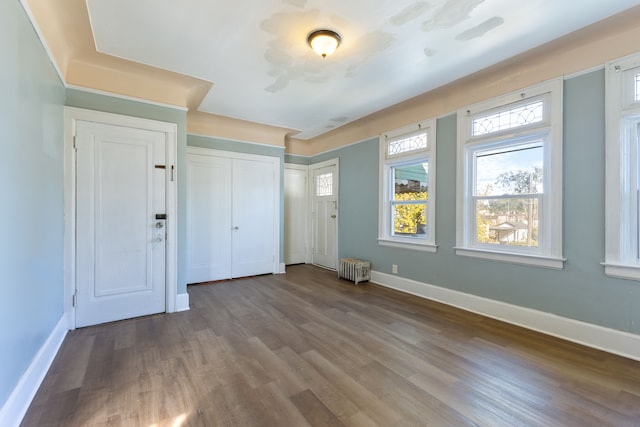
235, 228
333, 216
159, 224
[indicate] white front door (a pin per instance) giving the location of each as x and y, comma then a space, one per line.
120, 230
325, 214
295, 214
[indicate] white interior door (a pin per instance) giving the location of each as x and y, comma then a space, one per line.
254, 221
233, 215
120, 247
325, 214
208, 218
295, 214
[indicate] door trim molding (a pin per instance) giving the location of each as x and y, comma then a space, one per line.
332, 162
72, 115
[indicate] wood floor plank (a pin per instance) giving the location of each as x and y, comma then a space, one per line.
308, 349
374, 408
314, 410
286, 414
339, 403
72, 377
409, 399
275, 368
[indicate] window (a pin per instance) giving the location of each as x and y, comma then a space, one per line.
622, 208
324, 185
509, 178
407, 187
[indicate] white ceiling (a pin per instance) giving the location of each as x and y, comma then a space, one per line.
256, 55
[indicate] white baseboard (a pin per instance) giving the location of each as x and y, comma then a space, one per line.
182, 302
610, 340
282, 268
18, 402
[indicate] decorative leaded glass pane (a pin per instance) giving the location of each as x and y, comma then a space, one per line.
324, 184
508, 119
405, 145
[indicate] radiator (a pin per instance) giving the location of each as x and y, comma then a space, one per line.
355, 270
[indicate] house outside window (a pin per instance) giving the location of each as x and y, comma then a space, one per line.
622, 207
407, 187
509, 178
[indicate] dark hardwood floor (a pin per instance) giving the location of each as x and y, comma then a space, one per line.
308, 349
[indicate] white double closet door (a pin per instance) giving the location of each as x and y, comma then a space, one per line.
233, 220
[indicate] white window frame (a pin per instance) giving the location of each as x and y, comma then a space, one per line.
386, 187
548, 253
622, 210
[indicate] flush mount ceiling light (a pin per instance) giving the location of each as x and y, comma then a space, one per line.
323, 42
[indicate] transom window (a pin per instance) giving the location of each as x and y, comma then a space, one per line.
406, 144
510, 179
407, 187
508, 119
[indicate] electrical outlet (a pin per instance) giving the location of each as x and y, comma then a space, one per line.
394, 269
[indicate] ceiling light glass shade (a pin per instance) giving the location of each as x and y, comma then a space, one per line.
323, 42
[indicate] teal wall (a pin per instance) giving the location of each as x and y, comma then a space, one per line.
247, 148
235, 146
31, 196
580, 291
297, 160
110, 104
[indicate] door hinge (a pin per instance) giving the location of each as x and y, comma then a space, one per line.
74, 299
75, 145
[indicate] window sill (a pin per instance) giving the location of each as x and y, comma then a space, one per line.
423, 247
514, 258
622, 271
